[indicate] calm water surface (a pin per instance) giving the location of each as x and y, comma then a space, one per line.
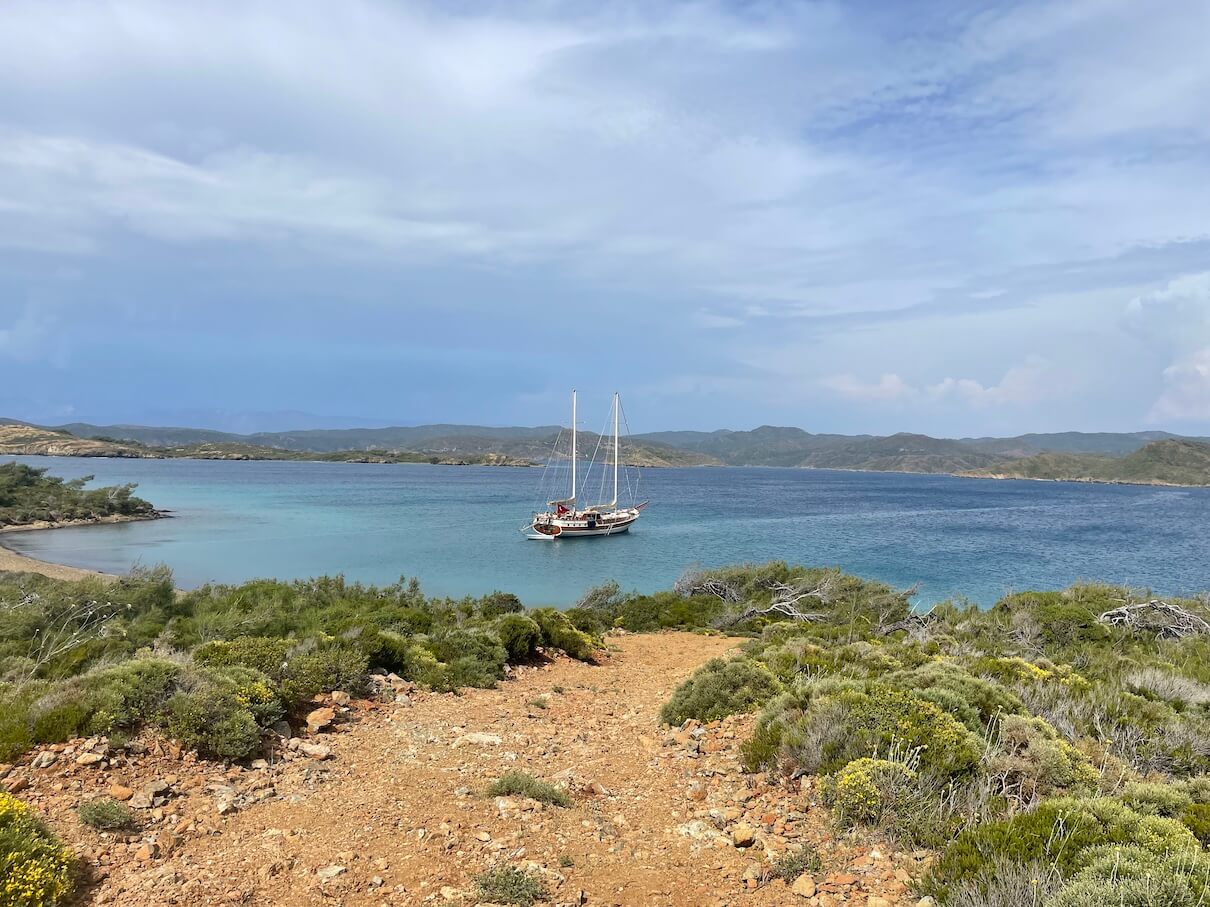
456, 528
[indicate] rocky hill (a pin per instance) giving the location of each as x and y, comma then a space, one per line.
29, 440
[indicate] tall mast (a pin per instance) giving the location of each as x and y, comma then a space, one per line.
616, 448
573, 448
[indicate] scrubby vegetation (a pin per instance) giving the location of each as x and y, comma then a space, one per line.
107, 814
35, 869
217, 666
1052, 758
509, 885
520, 784
28, 494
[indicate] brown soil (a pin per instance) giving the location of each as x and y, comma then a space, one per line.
399, 816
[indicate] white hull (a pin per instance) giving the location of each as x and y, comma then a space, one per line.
547, 527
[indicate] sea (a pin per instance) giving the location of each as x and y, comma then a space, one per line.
458, 528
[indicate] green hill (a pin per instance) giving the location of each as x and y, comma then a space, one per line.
1172, 461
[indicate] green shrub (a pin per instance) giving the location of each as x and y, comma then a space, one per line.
789, 866
1135, 877
823, 726
255, 692
35, 869
1058, 833
520, 636
1196, 818
865, 790
264, 654
327, 667
1030, 760
509, 885
1198, 788
106, 814
520, 784
498, 603
128, 695
720, 688
975, 701
212, 720
558, 633
1153, 799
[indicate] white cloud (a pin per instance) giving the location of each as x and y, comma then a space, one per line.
1022, 384
1186, 396
888, 387
1175, 321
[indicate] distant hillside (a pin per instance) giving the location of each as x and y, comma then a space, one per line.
448, 444
1172, 461
774, 446
901, 453
1098, 456
768, 445
1117, 444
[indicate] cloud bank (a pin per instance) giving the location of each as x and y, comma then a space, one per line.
852, 215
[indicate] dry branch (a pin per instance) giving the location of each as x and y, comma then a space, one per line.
1159, 617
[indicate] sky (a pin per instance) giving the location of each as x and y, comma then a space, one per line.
958, 218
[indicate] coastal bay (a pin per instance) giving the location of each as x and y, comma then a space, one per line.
234, 521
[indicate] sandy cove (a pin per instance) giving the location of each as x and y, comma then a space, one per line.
14, 562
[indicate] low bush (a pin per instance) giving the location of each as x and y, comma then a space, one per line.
720, 688
106, 814
262, 653
509, 885
1154, 799
212, 720
790, 865
1029, 760
1196, 818
1137, 877
520, 784
823, 726
327, 666
497, 603
520, 636
975, 701
558, 633
1060, 833
35, 869
865, 790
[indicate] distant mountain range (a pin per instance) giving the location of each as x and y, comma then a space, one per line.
1097, 456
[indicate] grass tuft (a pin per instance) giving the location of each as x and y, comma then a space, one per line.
509, 885
520, 784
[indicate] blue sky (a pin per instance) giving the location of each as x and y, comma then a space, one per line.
956, 218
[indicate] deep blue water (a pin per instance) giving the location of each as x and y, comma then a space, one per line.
456, 528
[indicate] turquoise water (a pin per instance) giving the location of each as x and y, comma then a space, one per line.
455, 528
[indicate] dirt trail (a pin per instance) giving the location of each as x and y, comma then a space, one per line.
398, 816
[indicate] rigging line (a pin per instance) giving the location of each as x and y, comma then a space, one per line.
634, 493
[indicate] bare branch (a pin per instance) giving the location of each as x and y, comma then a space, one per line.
1164, 620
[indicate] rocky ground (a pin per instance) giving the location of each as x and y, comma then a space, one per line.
384, 804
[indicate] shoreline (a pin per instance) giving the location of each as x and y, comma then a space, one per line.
12, 561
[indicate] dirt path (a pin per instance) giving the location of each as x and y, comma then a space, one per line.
398, 816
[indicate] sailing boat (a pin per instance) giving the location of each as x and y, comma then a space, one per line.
565, 518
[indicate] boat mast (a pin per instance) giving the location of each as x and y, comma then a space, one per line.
616, 448
573, 448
